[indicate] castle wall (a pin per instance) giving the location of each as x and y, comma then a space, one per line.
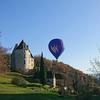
29, 60
19, 59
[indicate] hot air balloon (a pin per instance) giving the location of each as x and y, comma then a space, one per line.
56, 47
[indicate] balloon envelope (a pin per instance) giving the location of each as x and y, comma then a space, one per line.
56, 47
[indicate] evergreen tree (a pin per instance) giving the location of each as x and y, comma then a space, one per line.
43, 71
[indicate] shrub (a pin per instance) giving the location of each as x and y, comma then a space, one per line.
19, 81
84, 97
84, 94
96, 91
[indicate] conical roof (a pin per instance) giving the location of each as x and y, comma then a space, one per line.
22, 45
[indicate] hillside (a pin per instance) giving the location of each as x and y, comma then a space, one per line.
68, 73
57, 65
35, 91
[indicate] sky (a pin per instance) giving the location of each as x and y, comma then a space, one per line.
37, 22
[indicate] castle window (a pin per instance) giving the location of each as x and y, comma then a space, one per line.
24, 62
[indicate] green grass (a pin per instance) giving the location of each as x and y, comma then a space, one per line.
12, 89
33, 91
7, 88
5, 79
35, 96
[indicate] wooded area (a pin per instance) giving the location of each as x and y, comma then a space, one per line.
3, 60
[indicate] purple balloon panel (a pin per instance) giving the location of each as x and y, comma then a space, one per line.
56, 47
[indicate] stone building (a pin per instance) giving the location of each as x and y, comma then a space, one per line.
21, 58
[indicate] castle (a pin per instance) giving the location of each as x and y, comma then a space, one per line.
22, 61
21, 58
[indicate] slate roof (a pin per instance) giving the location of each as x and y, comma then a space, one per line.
22, 45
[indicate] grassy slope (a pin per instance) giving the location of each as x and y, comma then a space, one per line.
35, 96
7, 88
33, 91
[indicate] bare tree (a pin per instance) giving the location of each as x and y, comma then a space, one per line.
96, 66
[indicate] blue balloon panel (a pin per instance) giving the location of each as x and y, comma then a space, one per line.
56, 47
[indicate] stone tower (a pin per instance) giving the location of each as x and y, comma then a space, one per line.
21, 58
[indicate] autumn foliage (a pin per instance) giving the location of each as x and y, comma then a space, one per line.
3, 60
